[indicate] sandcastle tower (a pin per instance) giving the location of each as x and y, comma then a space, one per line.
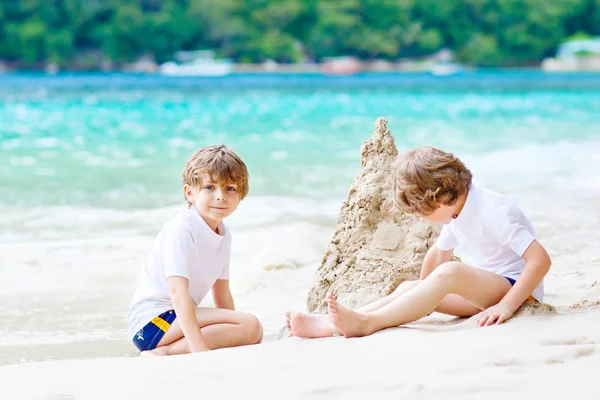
374, 248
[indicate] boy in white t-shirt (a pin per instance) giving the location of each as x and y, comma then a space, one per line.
189, 258
504, 263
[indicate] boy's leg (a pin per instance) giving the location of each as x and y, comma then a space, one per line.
480, 288
308, 325
452, 304
220, 328
400, 290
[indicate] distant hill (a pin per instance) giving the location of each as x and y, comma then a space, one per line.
97, 34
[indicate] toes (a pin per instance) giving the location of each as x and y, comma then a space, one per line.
332, 309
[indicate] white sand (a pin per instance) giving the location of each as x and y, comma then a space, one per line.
527, 358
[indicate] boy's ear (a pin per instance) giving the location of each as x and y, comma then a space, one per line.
187, 192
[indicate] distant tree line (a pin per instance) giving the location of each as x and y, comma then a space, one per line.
81, 34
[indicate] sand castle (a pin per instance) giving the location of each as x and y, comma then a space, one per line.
375, 248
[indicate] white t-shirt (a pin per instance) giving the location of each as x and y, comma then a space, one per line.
491, 233
186, 246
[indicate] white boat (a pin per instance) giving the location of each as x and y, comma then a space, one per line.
446, 69
197, 63
442, 64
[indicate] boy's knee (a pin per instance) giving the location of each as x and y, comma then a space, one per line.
448, 271
260, 333
254, 329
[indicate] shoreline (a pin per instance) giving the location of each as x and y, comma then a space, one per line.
569, 77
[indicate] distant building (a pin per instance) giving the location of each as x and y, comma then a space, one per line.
578, 48
3, 67
346, 65
575, 55
144, 64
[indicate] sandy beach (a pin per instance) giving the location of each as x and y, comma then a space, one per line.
72, 241
539, 353
543, 356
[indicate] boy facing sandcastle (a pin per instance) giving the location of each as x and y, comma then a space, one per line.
504, 263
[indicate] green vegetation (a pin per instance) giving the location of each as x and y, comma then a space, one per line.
83, 34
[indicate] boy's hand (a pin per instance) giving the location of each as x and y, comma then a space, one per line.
495, 314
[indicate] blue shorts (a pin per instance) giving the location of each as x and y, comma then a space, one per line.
511, 280
148, 337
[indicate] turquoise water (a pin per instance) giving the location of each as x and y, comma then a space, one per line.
120, 141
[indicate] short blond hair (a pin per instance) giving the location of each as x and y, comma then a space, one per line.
221, 163
426, 178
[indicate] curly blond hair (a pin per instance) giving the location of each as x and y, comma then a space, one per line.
221, 163
426, 178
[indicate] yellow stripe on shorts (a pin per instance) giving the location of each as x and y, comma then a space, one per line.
161, 324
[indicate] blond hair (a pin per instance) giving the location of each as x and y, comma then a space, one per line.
221, 164
426, 178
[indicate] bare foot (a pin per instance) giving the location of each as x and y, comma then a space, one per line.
309, 325
350, 323
156, 352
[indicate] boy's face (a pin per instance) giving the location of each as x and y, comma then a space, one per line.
442, 215
213, 201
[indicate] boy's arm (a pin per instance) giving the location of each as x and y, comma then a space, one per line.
433, 259
222, 295
537, 266
186, 313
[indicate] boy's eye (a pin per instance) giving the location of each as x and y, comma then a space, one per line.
209, 187
230, 189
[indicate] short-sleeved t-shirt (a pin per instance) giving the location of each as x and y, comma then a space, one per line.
186, 246
492, 233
